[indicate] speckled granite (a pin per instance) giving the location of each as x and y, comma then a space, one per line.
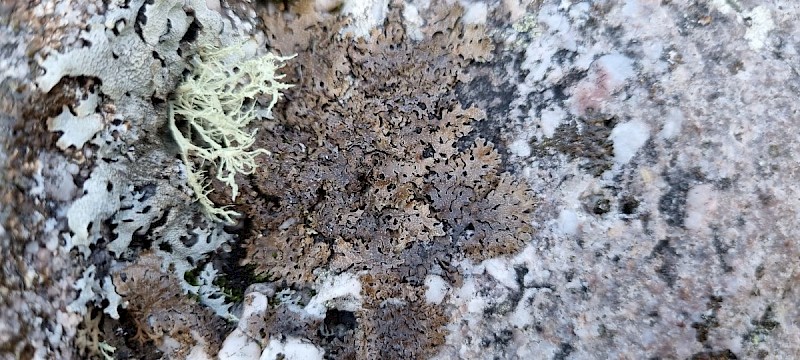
654, 143
662, 137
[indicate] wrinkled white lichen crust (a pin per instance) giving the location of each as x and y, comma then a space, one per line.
135, 62
117, 56
79, 128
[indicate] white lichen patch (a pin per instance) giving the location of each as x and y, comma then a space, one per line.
100, 201
365, 15
162, 18
79, 128
551, 119
520, 147
413, 22
474, 12
119, 64
342, 292
239, 346
85, 289
760, 25
136, 60
672, 124
55, 180
435, 289
628, 138
291, 349
502, 271
89, 291
725, 6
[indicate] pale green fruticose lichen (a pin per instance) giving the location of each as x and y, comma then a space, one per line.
218, 101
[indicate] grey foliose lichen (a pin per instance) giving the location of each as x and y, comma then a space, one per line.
136, 53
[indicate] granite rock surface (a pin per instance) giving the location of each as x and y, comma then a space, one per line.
479, 179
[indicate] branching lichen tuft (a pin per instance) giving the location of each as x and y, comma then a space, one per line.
217, 102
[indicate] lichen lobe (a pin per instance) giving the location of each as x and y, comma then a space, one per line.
376, 169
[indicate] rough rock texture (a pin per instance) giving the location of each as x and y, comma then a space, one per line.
498, 180
36, 273
666, 156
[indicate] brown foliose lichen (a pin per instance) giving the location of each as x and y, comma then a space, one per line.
161, 311
376, 169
